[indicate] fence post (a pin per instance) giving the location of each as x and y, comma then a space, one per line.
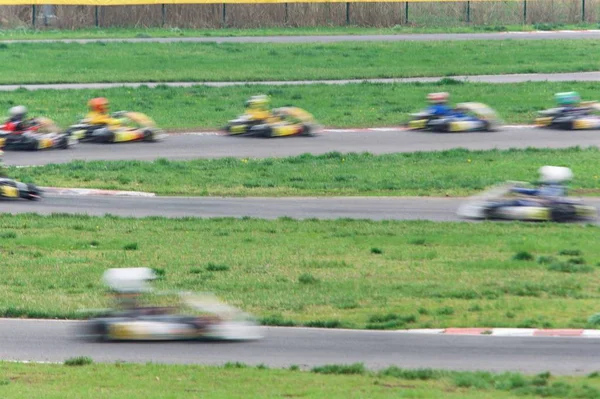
582, 10
286, 14
468, 12
524, 12
224, 16
96, 19
164, 15
347, 13
33, 16
406, 12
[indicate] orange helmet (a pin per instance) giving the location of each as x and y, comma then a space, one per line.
98, 104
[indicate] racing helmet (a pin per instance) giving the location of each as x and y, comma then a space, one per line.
98, 104
438, 98
555, 174
260, 102
17, 112
567, 98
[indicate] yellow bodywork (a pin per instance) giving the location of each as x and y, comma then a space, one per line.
540, 214
545, 121
417, 124
45, 143
127, 135
9, 191
286, 130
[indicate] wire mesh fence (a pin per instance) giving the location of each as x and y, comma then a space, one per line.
435, 14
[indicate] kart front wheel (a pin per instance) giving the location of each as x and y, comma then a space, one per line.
562, 213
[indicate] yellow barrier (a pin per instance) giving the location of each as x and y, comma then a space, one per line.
150, 2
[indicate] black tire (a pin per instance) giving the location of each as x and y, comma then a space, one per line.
562, 213
307, 131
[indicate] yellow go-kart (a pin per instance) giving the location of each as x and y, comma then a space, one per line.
280, 122
135, 127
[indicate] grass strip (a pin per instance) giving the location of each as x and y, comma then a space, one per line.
145, 33
163, 62
354, 105
344, 273
445, 173
233, 380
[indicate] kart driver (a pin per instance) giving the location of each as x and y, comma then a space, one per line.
257, 107
98, 114
17, 122
550, 183
439, 104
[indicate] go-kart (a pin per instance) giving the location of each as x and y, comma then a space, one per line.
39, 134
12, 189
466, 117
579, 118
500, 202
194, 317
135, 127
285, 121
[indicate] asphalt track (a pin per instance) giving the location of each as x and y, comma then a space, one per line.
499, 79
535, 35
53, 341
376, 141
375, 208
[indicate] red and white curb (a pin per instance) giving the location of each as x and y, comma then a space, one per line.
93, 191
509, 332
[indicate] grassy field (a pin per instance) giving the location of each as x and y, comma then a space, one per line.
160, 62
446, 173
355, 105
115, 33
234, 380
345, 273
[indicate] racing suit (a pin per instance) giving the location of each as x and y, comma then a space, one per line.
439, 110
545, 191
16, 126
98, 118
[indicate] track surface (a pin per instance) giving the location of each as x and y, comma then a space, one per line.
510, 78
375, 208
53, 341
537, 35
206, 145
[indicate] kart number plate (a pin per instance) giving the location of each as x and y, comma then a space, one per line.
9, 191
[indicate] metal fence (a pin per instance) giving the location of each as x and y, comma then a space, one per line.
435, 14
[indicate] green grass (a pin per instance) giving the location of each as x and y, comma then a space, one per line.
312, 273
107, 33
355, 105
160, 62
235, 380
445, 173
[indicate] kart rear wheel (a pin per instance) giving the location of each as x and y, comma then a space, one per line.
562, 213
307, 131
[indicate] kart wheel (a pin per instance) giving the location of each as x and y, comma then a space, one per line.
307, 131
562, 213
33, 193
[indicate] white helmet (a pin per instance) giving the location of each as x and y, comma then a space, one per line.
555, 174
16, 111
